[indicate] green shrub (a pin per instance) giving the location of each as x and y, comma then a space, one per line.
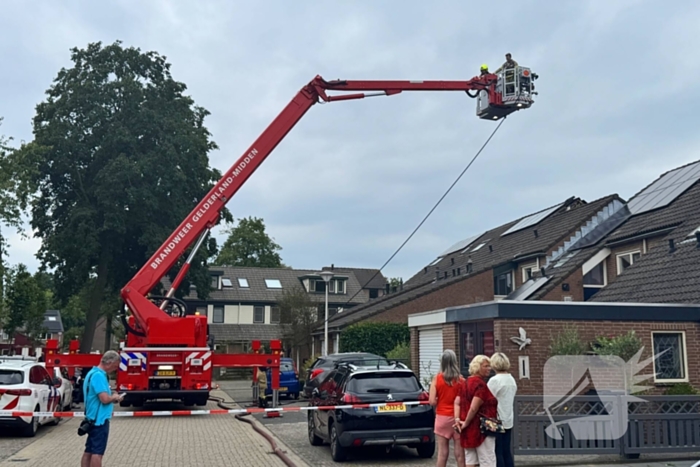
624, 346
567, 342
307, 364
681, 389
376, 338
401, 353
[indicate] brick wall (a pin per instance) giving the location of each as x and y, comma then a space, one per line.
473, 290
575, 292
415, 357
450, 337
541, 332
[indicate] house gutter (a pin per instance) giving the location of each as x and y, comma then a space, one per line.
641, 236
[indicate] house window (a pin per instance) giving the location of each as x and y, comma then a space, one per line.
317, 286
218, 316
275, 314
226, 282
214, 282
594, 280
273, 283
670, 363
243, 282
51, 318
503, 284
259, 314
626, 260
528, 272
340, 286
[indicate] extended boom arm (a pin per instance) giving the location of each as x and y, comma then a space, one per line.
157, 327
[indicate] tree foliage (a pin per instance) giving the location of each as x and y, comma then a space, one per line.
624, 346
376, 338
26, 303
119, 158
300, 315
248, 245
567, 342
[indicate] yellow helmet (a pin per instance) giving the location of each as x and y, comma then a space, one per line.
484, 67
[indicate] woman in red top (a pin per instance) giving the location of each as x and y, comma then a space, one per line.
474, 400
443, 391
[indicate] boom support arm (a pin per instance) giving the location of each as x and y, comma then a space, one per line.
160, 328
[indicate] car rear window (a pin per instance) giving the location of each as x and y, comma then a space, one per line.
10, 377
383, 382
367, 361
286, 366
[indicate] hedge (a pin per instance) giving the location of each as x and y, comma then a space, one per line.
376, 338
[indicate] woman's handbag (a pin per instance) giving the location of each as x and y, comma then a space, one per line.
490, 426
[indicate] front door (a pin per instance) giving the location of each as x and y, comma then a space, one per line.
475, 339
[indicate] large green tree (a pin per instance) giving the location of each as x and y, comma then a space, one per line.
299, 314
26, 303
119, 158
248, 245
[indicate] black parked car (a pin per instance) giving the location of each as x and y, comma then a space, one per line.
319, 370
344, 429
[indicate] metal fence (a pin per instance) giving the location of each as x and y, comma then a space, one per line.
606, 424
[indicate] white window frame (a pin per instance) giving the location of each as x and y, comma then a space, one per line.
629, 253
273, 281
242, 281
340, 286
524, 268
223, 314
684, 348
263, 314
605, 277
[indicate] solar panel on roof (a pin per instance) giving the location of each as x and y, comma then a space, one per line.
534, 219
666, 189
460, 245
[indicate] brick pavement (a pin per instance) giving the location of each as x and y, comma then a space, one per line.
216, 440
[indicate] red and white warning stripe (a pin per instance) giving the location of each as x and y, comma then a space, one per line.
181, 413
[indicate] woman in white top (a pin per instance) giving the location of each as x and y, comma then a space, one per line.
503, 387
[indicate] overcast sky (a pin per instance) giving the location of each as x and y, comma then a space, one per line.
617, 106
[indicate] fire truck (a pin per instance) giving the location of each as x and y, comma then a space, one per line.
169, 352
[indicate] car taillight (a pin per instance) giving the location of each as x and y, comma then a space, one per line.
19, 392
316, 372
350, 399
424, 396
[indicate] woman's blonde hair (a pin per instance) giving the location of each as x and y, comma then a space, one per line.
475, 364
449, 367
499, 362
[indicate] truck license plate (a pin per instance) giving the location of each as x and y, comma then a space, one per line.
166, 373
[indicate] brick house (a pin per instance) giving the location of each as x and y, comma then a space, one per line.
488, 327
243, 304
489, 266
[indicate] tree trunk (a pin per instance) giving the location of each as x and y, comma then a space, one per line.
95, 304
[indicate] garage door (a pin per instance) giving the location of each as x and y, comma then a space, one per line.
429, 351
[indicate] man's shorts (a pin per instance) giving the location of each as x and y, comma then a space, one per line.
97, 439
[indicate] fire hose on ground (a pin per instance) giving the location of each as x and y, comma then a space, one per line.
278, 452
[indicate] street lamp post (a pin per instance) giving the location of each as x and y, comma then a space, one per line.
326, 276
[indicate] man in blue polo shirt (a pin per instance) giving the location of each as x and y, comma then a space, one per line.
98, 407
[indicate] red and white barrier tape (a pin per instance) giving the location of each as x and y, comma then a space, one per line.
181, 413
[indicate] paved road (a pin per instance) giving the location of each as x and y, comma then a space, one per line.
291, 430
11, 444
214, 440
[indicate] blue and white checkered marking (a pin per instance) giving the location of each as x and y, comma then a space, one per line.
132, 359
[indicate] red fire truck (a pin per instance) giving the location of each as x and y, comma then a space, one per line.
168, 353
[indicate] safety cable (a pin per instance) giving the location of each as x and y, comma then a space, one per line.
431, 210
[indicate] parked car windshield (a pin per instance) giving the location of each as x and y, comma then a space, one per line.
10, 377
383, 383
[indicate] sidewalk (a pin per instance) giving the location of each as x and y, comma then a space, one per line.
211, 440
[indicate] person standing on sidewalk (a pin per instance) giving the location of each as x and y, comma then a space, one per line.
98, 407
443, 391
504, 387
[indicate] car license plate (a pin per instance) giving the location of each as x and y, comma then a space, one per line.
166, 373
390, 408
283, 389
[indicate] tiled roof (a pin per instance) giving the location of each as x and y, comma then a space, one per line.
246, 332
659, 277
550, 232
368, 278
258, 291
666, 217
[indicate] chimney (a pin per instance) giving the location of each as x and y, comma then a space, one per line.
437, 274
542, 271
697, 238
388, 288
671, 245
400, 284
469, 265
536, 234
332, 266
490, 248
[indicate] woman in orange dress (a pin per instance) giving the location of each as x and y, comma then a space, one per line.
443, 391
